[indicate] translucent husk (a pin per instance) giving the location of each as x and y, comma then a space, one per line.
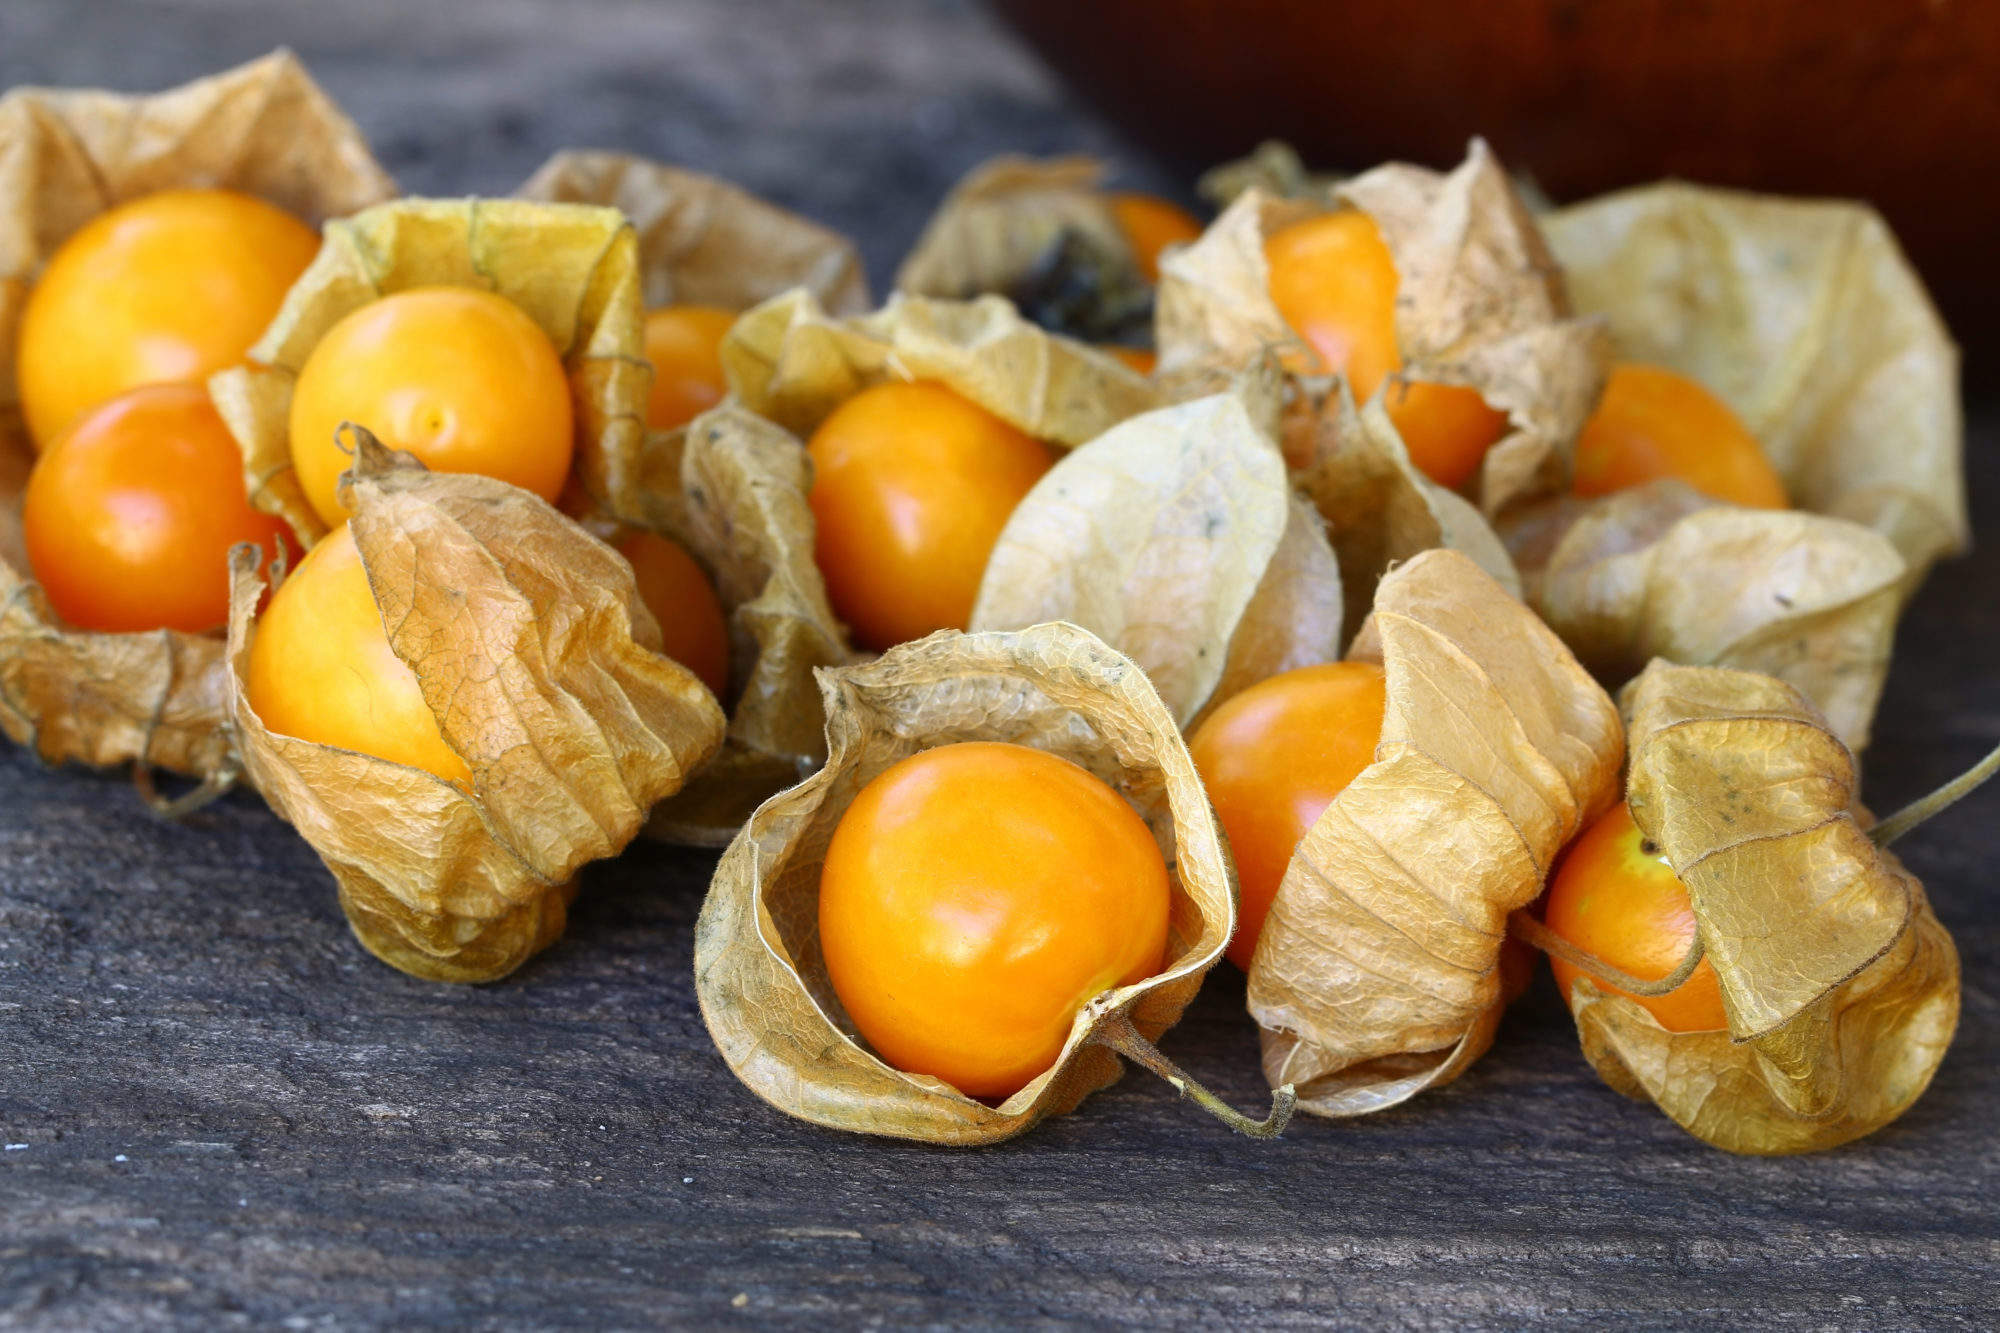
1480, 303
1379, 971
1839, 985
572, 268
67, 155
543, 669
1805, 317
758, 971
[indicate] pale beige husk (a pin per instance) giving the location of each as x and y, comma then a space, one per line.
1804, 316
1001, 220
572, 268
1274, 167
1176, 538
67, 155
1378, 974
1662, 571
543, 669
758, 971
1480, 303
1840, 987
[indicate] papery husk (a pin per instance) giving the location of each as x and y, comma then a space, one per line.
1176, 538
791, 362
1839, 985
1378, 972
1480, 303
1663, 571
758, 970
543, 668
1274, 167
704, 241
1000, 221
67, 155
1804, 316
572, 268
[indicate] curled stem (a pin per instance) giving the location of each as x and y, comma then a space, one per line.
1917, 811
1115, 1031
1525, 927
212, 788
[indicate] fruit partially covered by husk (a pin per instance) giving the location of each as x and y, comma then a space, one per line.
1377, 974
1480, 303
1839, 984
542, 668
762, 981
571, 268
67, 155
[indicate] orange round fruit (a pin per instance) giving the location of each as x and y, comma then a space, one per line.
1151, 224
674, 588
1273, 758
459, 377
911, 487
321, 668
130, 515
168, 288
684, 343
1334, 281
974, 898
1616, 898
1140, 359
1653, 424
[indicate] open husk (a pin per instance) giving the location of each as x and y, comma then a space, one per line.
1378, 972
1805, 317
1660, 571
67, 155
543, 669
1840, 987
758, 971
1480, 303
572, 268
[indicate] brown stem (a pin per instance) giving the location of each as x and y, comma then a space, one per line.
1115, 1031
1525, 927
213, 788
1917, 811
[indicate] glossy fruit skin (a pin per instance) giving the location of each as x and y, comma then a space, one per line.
911, 487
684, 343
129, 516
461, 378
693, 629
1653, 423
168, 288
321, 668
1617, 899
1273, 758
1151, 224
1334, 281
974, 897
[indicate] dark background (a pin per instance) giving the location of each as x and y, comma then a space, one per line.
217, 1111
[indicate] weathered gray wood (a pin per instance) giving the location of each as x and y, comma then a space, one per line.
232, 1117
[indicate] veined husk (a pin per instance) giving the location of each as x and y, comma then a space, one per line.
1839, 984
1480, 303
758, 971
67, 155
1378, 971
572, 268
544, 671
1663, 571
1804, 316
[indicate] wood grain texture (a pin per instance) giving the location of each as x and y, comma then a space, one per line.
233, 1117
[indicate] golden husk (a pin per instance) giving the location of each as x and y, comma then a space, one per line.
67, 155
543, 669
1001, 220
1839, 985
758, 971
1378, 975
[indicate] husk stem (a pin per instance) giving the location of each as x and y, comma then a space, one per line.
210, 790
1529, 930
1921, 809
1116, 1032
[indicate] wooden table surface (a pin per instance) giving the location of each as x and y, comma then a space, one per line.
218, 1112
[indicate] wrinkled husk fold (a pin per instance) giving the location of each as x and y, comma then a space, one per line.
67, 155
1002, 219
758, 970
1840, 987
